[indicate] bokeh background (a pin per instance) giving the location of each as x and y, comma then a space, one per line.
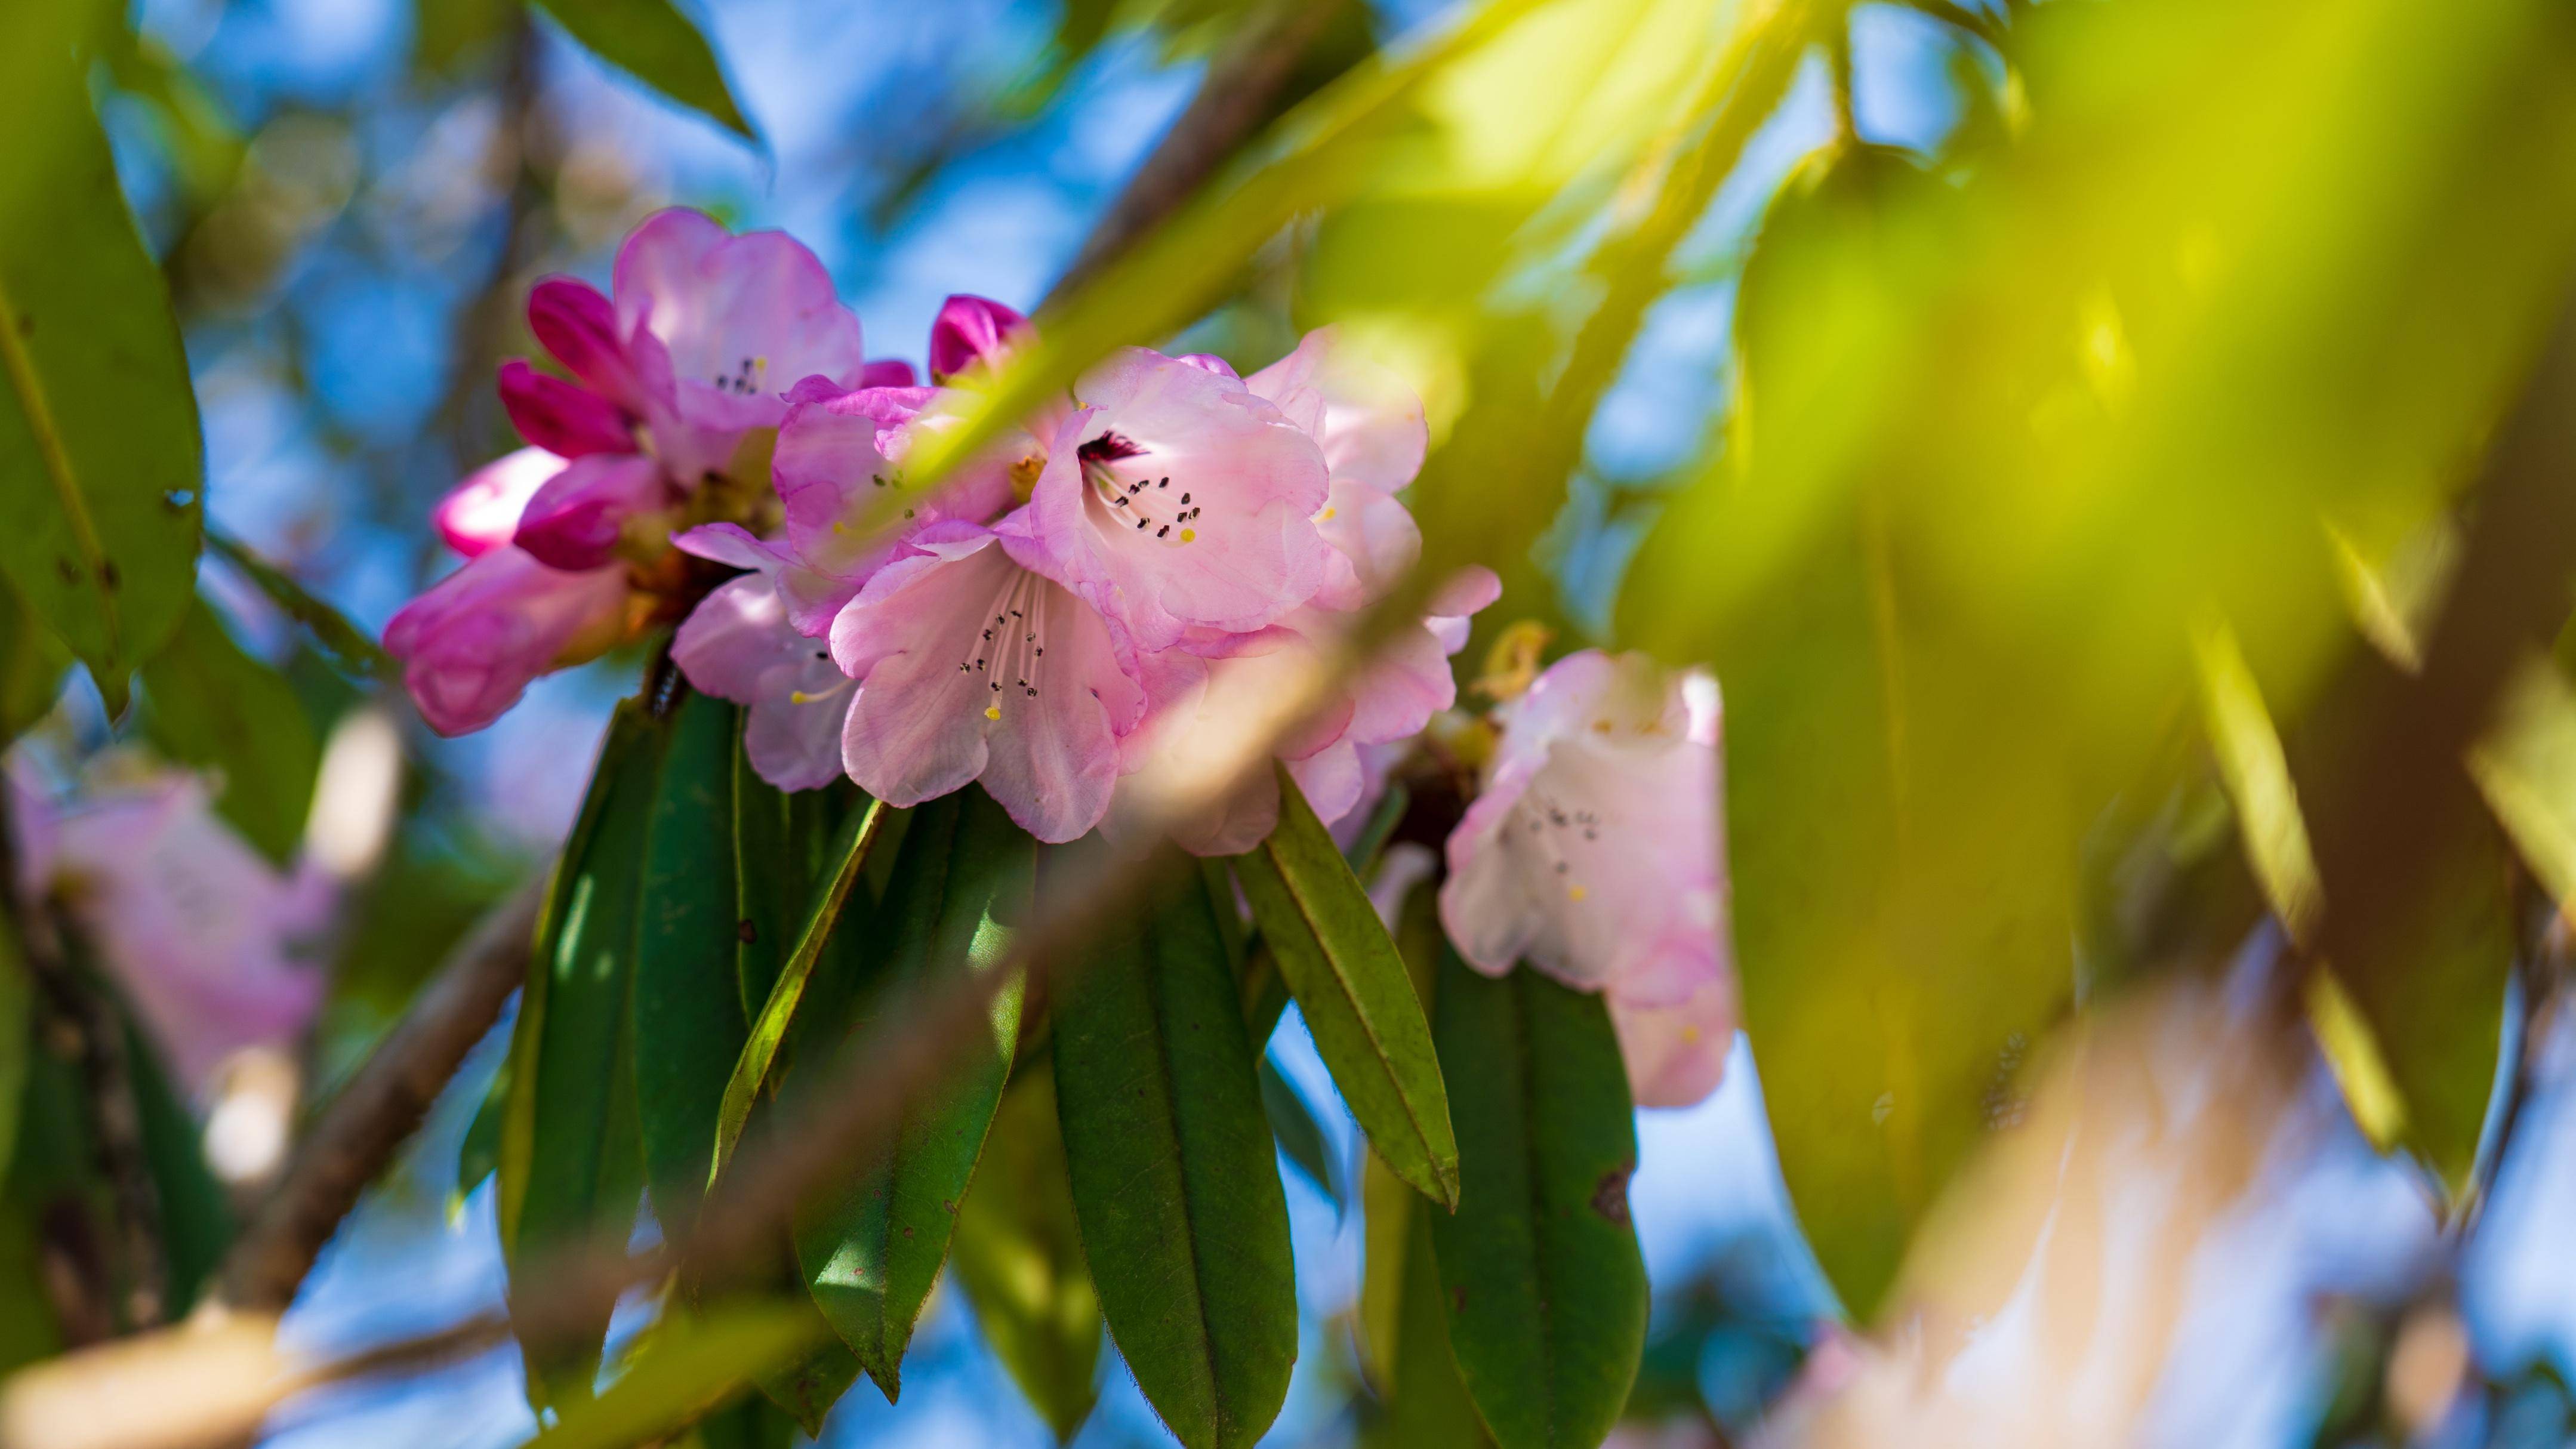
350, 198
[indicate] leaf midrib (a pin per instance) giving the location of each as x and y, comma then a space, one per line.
30, 388
1157, 1000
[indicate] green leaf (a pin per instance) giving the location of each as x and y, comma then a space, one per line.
684, 1371
572, 1159
208, 704
1545, 1284
196, 1218
1425, 1400
689, 1025
1018, 1256
872, 1247
478, 1153
1293, 1125
782, 845
32, 662
653, 42
101, 464
1174, 1178
17, 1025
344, 645
759, 1058
1350, 984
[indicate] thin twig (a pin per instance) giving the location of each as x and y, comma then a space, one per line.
1232, 101
358, 1134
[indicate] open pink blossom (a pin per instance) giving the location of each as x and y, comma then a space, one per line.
1594, 853
472, 643
197, 929
1370, 428
1173, 498
739, 644
1388, 700
974, 667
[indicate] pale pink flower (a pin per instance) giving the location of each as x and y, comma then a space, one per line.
740, 644
1594, 853
1370, 428
197, 929
1174, 499
972, 666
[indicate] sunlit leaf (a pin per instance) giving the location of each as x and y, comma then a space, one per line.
653, 42
571, 1155
1350, 986
871, 1246
1018, 1256
683, 1370
101, 467
1545, 1285
752, 1070
1175, 1181
2526, 767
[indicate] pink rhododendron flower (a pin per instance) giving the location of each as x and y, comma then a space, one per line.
971, 331
482, 513
972, 666
1594, 854
197, 929
739, 644
1370, 427
1173, 498
472, 643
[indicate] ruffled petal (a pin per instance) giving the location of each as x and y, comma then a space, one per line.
1368, 422
560, 417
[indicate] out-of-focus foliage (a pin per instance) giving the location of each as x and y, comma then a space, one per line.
101, 473
208, 704
658, 46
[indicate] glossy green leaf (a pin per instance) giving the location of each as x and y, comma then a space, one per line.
1175, 1181
683, 1371
347, 647
1018, 1256
478, 1152
32, 663
101, 465
1351, 988
1545, 1284
208, 704
572, 1156
689, 1026
782, 846
872, 1247
2526, 768
653, 42
196, 1217
17, 1039
752, 1069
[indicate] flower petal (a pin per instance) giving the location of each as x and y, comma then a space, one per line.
1676, 1055
573, 522
1368, 422
561, 417
482, 513
738, 645
470, 644
579, 326
970, 330
740, 317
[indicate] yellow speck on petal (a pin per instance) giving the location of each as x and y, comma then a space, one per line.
1576, 893
1327, 513
839, 527
1690, 1035
1189, 535
992, 711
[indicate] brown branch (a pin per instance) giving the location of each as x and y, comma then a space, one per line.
1233, 100
380, 1108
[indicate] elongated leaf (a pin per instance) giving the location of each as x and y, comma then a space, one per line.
1350, 984
1174, 1179
32, 662
684, 1371
580, 1170
1018, 1256
1425, 1400
656, 44
345, 645
759, 1058
1300, 1136
782, 847
872, 1249
196, 1218
1546, 1287
17, 1026
208, 704
1388, 1226
746, 1424
101, 466
689, 1026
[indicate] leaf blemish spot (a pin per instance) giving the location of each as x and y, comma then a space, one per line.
745, 932
1610, 1197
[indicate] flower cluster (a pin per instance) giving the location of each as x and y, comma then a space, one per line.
1054, 617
